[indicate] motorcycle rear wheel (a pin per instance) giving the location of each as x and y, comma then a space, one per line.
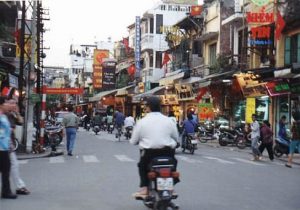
277, 151
202, 139
241, 143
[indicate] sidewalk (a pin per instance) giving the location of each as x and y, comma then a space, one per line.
215, 144
47, 153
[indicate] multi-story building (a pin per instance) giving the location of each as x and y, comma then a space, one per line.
155, 23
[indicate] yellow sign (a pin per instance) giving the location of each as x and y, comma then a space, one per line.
250, 109
27, 49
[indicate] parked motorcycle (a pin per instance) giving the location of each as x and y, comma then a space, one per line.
162, 176
282, 146
207, 132
128, 132
242, 143
53, 136
231, 136
190, 143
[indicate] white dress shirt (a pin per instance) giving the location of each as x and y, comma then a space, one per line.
155, 131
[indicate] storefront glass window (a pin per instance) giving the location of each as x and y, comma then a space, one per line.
262, 109
282, 110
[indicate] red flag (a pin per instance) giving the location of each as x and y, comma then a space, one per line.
279, 25
196, 10
166, 59
126, 43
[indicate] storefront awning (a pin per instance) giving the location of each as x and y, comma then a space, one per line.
208, 36
170, 79
154, 91
123, 91
98, 96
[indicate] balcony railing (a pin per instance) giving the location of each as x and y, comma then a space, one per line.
154, 41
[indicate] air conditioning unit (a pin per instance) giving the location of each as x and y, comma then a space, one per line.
7, 50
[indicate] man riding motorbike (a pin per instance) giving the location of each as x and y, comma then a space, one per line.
156, 136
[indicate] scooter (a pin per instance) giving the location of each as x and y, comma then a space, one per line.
208, 132
162, 176
110, 127
53, 136
190, 143
128, 132
282, 146
231, 136
96, 129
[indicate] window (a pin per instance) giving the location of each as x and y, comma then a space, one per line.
151, 25
197, 48
159, 23
158, 59
212, 54
292, 50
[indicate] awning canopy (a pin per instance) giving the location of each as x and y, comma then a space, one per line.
170, 79
209, 35
154, 91
123, 91
98, 96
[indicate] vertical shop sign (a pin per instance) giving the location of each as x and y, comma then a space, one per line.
250, 109
99, 55
137, 46
108, 75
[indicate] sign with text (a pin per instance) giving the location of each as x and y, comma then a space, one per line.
137, 46
76, 91
99, 56
250, 109
109, 75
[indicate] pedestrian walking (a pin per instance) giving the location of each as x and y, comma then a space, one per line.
255, 136
295, 142
266, 136
71, 122
5, 164
15, 118
282, 129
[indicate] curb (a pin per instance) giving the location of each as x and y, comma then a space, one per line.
35, 156
215, 145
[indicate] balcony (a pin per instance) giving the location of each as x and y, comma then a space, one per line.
154, 41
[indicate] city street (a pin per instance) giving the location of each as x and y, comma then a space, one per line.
103, 174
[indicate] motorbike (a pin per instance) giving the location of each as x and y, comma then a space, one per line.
190, 143
88, 126
104, 126
242, 143
162, 175
96, 129
128, 132
110, 127
231, 136
282, 146
53, 136
207, 132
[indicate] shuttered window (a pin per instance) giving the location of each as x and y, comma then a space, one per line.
287, 51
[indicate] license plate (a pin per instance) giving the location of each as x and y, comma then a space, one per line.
194, 141
164, 183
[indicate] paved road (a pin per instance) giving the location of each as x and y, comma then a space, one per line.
102, 174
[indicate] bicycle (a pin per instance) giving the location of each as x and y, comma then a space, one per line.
119, 132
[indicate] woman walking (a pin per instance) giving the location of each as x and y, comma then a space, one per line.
266, 135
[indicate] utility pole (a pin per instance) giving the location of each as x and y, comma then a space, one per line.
29, 128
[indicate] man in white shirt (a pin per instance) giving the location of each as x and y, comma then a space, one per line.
129, 121
255, 136
156, 135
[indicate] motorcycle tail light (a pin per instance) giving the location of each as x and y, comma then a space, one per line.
175, 174
165, 172
152, 175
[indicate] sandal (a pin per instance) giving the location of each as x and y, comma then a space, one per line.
22, 191
288, 165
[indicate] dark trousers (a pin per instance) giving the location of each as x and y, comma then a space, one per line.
146, 156
269, 147
5, 169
